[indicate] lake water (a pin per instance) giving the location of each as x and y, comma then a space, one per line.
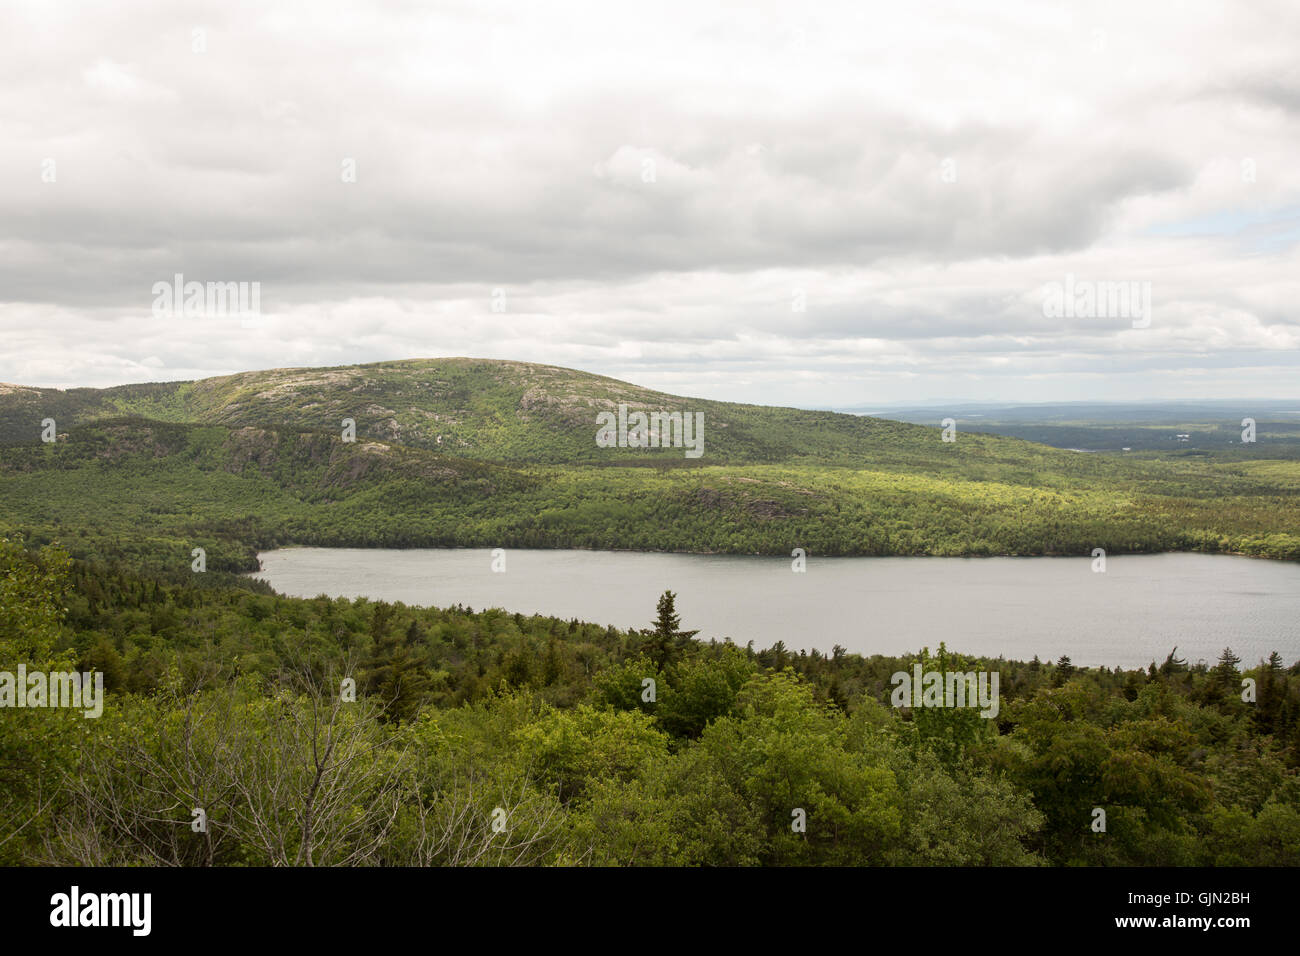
1133, 613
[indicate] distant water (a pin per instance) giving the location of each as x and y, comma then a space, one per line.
1128, 616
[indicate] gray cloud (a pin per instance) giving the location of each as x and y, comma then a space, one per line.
654, 190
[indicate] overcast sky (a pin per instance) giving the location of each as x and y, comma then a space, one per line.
817, 204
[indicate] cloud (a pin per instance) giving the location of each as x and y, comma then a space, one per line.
655, 190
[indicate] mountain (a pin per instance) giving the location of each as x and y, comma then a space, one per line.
471, 408
471, 452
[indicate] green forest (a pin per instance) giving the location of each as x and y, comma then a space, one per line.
468, 453
243, 728
232, 737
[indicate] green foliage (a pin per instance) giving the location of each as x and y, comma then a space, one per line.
949, 731
703, 689
741, 757
961, 817
572, 749
492, 738
32, 588
483, 454
36, 745
786, 754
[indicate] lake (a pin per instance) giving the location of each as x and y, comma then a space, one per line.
1133, 613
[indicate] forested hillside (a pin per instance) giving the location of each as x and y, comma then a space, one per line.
462, 736
473, 453
521, 412
481, 737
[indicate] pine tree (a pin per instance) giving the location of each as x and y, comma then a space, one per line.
1226, 674
393, 672
1272, 688
414, 633
1132, 685
664, 642
1173, 665
835, 694
552, 663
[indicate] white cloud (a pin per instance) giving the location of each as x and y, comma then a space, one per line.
653, 186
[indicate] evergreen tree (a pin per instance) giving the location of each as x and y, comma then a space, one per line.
664, 642
1173, 665
1226, 675
104, 658
414, 633
1272, 694
1132, 685
397, 676
835, 694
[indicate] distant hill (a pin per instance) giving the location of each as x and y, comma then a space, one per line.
1178, 427
487, 410
471, 452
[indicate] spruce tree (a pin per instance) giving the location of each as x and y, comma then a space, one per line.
664, 642
1226, 673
